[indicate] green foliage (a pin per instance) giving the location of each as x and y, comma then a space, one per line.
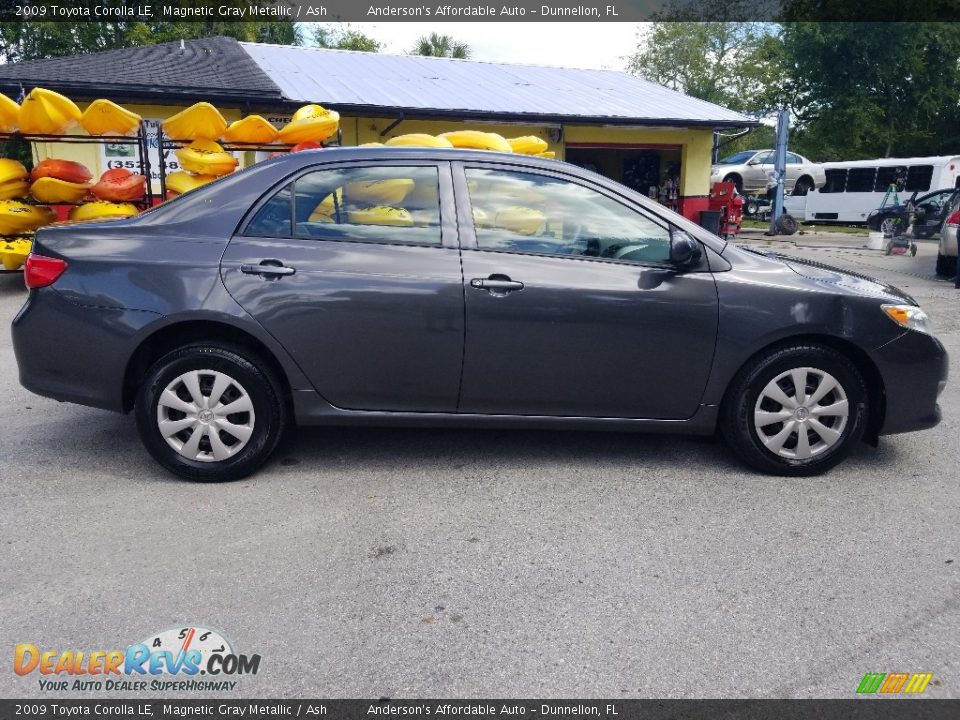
342, 36
727, 63
435, 45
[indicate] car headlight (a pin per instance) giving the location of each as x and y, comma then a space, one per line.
909, 316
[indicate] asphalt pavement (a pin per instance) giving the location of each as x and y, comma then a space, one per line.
452, 563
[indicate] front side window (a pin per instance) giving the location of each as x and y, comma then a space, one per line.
361, 204
528, 213
861, 179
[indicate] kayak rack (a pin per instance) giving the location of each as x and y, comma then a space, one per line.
165, 144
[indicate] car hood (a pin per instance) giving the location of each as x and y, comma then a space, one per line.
830, 275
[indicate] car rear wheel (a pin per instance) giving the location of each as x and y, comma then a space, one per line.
803, 186
795, 411
736, 180
210, 413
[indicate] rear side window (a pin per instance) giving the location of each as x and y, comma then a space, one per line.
367, 204
836, 180
861, 179
919, 178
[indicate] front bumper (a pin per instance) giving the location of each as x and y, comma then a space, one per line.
914, 368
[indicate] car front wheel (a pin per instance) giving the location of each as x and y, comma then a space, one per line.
210, 413
795, 411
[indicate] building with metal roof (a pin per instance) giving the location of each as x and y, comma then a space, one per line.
652, 138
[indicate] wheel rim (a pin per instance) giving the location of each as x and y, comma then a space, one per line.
801, 413
205, 415
887, 226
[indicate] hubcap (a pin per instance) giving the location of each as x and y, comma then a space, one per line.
801, 413
205, 415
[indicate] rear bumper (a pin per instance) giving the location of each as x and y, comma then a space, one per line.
914, 368
100, 342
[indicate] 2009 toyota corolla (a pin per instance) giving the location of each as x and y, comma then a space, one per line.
452, 287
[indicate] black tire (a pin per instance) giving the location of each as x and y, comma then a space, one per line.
887, 224
738, 423
736, 180
249, 377
803, 186
946, 266
787, 225
751, 208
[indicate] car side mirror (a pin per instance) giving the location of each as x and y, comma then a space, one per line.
684, 250
754, 161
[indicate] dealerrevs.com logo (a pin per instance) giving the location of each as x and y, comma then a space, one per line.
171, 660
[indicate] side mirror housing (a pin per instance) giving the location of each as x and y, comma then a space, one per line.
754, 161
684, 250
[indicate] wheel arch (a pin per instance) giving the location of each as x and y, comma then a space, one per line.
170, 337
810, 181
861, 360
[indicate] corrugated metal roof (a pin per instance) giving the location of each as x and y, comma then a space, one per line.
416, 83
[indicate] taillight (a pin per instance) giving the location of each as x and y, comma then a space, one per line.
954, 220
40, 271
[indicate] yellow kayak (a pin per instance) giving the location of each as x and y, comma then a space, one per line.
12, 170
251, 129
103, 210
103, 117
14, 189
521, 220
380, 215
370, 145
205, 157
481, 218
528, 145
181, 182
17, 218
310, 123
9, 114
14, 251
45, 112
201, 121
550, 155
419, 140
379, 192
326, 208
477, 140
54, 190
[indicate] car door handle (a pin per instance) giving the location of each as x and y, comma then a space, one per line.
496, 284
269, 268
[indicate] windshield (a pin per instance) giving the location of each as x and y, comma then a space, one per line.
740, 157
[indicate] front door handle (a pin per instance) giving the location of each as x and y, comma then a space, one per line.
268, 268
496, 284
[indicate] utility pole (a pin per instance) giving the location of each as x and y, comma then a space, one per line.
780, 165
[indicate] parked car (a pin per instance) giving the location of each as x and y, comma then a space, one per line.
929, 211
748, 169
947, 252
426, 287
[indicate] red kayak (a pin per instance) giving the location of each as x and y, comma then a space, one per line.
66, 170
120, 185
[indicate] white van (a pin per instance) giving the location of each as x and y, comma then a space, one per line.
855, 188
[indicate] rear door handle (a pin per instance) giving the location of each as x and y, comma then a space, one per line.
270, 268
496, 285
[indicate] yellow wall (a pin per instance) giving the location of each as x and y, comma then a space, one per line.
695, 144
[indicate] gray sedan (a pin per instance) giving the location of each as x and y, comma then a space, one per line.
406, 286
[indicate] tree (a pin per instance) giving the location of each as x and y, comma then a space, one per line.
727, 63
434, 45
862, 90
343, 37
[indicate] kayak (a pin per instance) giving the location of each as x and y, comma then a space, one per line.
120, 185
326, 208
521, 220
477, 140
380, 215
9, 114
54, 190
17, 218
12, 170
14, 251
103, 210
103, 117
251, 129
311, 122
62, 170
205, 157
201, 121
550, 155
419, 140
181, 182
45, 112
379, 192
15, 188
481, 218
528, 145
